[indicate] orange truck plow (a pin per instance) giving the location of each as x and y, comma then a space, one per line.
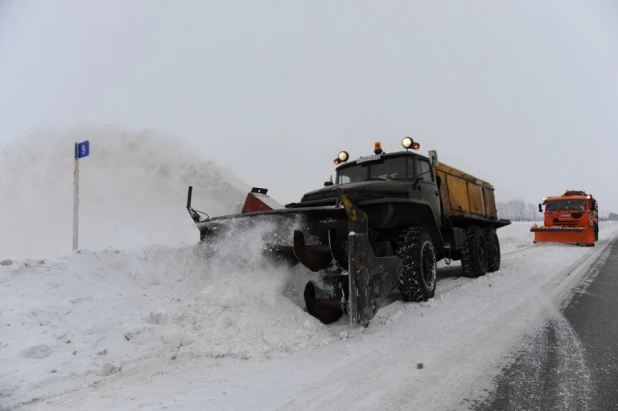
571, 218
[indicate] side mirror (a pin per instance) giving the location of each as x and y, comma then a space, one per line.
329, 182
433, 158
540, 208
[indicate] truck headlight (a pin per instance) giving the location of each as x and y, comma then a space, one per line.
408, 143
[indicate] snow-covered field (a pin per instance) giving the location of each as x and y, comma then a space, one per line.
123, 324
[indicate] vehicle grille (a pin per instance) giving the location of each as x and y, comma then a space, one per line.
566, 223
356, 197
380, 195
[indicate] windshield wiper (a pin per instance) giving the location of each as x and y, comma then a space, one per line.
419, 177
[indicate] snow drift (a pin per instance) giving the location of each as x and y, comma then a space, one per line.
95, 313
132, 191
118, 301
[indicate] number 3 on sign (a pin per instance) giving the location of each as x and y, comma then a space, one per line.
83, 149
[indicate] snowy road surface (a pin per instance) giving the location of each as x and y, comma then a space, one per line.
150, 329
572, 364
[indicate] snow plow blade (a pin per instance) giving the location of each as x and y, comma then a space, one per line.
257, 200
567, 235
362, 273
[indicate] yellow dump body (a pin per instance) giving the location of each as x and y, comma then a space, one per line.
463, 194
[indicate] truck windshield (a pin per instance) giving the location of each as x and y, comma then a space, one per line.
566, 205
388, 169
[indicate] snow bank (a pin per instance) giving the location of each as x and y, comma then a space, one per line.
515, 236
132, 191
116, 302
462, 338
98, 313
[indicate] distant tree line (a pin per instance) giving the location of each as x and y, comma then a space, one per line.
607, 216
518, 210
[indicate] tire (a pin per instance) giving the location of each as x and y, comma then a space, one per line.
418, 280
474, 260
493, 250
596, 231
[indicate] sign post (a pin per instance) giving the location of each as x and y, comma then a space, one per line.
81, 150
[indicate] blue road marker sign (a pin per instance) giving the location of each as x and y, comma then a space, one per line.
83, 149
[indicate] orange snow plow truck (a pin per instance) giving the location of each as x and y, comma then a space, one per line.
570, 218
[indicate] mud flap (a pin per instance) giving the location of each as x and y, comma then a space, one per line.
371, 279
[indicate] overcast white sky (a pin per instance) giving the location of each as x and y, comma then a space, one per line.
523, 94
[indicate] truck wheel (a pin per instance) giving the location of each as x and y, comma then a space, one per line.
418, 280
493, 248
474, 259
596, 231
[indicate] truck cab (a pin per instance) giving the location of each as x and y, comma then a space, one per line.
402, 174
570, 218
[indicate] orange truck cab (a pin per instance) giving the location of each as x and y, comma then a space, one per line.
570, 218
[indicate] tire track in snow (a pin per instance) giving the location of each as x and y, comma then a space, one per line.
575, 382
554, 358
560, 344
447, 285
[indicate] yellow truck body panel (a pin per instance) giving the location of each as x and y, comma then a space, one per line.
464, 194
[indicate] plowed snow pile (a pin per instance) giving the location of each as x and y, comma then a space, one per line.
99, 311
133, 190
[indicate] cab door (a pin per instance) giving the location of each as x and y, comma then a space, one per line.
427, 185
